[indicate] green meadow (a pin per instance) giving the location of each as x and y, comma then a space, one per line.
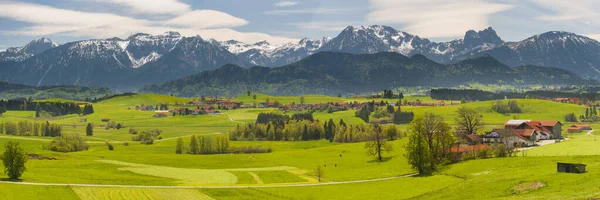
155, 170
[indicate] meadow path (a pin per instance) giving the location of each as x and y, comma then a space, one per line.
590, 132
208, 186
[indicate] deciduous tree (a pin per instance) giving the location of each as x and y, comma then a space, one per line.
378, 145
429, 142
14, 159
179, 147
469, 120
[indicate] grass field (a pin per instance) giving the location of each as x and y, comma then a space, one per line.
88, 193
290, 162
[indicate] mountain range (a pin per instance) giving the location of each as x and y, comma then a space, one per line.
140, 59
335, 73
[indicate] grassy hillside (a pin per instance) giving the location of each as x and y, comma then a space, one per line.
290, 162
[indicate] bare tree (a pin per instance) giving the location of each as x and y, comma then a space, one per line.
469, 120
378, 144
319, 172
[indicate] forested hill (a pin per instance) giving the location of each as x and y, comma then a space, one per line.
13, 91
342, 73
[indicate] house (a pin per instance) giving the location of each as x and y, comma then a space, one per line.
567, 100
473, 139
570, 167
554, 126
510, 137
514, 123
82, 119
161, 113
575, 128
545, 129
105, 119
541, 132
562, 100
440, 103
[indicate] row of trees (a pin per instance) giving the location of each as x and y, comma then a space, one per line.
290, 130
363, 132
388, 94
480, 95
53, 108
26, 128
206, 144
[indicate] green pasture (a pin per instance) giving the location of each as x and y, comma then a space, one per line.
290, 162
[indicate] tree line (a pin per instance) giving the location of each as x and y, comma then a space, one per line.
52, 108
480, 95
283, 128
26, 128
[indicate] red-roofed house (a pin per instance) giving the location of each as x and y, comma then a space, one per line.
511, 137
554, 126
542, 132
575, 128
473, 139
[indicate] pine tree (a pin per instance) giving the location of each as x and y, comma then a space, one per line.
89, 129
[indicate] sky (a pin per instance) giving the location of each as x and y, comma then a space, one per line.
280, 22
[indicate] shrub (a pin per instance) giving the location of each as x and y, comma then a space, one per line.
110, 146
125, 143
68, 143
133, 131
148, 136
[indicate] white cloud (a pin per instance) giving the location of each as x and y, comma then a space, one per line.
285, 3
304, 11
46, 20
151, 6
206, 19
434, 18
582, 12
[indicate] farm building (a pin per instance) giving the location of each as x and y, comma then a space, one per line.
542, 133
567, 100
511, 137
546, 129
554, 126
82, 119
105, 119
570, 167
514, 123
575, 128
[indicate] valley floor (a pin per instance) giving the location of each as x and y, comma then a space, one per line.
138, 171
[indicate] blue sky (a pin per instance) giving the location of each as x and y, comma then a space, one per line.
285, 21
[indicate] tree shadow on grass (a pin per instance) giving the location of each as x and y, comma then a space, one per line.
384, 159
11, 180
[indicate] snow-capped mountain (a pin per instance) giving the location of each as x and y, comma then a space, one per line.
559, 49
189, 56
143, 48
149, 59
373, 39
113, 62
264, 54
32, 48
